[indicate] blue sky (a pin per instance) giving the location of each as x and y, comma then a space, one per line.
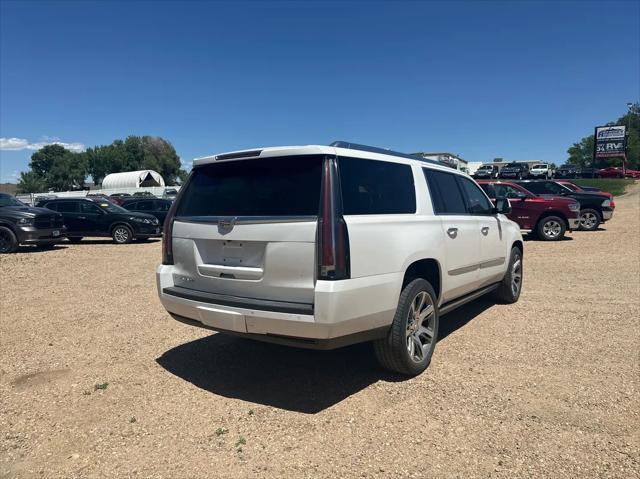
519, 80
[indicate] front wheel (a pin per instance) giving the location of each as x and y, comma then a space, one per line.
75, 239
509, 289
551, 228
589, 219
410, 343
8, 241
122, 234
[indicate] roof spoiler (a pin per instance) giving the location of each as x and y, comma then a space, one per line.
383, 151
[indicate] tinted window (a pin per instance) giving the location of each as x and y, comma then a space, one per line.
445, 193
283, 186
501, 191
544, 188
163, 205
372, 187
477, 202
133, 205
89, 208
51, 206
67, 207
144, 206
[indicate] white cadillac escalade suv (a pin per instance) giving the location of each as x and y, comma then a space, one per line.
324, 246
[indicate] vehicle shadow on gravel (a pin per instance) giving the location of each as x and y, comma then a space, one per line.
94, 241
289, 378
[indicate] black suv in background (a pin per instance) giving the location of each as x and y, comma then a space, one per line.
567, 171
86, 217
514, 171
156, 207
22, 224
594, 208
486, 172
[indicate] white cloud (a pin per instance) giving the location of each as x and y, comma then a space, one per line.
16, 144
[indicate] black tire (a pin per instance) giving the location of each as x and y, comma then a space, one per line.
590, 219
8, 241
46, 246
75, 239
122, 234
511, 285
393, 352
142, 239
551, 228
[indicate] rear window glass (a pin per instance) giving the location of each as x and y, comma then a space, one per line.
372, 187
282, 186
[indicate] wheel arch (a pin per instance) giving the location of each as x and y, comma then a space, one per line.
557, 213
428, 269
121, 223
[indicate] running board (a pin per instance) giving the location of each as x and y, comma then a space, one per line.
456, 303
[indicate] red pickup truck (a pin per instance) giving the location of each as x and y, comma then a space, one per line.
549, 217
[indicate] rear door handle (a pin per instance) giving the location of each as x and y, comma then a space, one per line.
452, 232
485, 230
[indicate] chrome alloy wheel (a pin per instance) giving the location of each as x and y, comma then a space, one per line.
552, 229
588, 220
516, 275
121, 234
420, 326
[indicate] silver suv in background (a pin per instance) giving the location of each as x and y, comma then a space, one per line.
324, 246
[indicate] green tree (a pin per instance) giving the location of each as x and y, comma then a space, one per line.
135, 153
54, 167
31, 182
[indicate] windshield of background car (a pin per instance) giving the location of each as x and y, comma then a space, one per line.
539, 167
8, 200
111, 208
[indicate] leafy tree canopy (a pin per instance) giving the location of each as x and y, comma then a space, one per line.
135, 153
581, 153
55, 167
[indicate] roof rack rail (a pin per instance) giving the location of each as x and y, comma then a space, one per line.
383, 151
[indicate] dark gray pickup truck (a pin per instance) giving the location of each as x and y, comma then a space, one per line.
22, 224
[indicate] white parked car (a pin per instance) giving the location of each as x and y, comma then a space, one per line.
324, 246
541, 171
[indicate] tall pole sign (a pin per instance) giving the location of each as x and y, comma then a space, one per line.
610, 141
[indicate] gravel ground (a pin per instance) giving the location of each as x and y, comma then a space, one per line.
96, 380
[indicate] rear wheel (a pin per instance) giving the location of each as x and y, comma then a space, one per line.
142, 238
589, 219
511, 285
551, 228
122, 234
8, 241
75, 239
410, 343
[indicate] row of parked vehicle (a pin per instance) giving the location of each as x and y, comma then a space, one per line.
52, 220
521, 171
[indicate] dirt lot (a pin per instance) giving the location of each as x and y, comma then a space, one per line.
97, 380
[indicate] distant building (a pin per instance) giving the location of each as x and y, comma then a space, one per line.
450, 159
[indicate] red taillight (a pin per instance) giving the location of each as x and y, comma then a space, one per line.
167, 236
613, 204
167, 228
333, 237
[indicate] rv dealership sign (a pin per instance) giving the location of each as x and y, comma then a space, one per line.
610, 141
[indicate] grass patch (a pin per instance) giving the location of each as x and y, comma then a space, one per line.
102, 386
615, 186
221, 431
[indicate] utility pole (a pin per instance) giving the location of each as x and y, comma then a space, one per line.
626, 138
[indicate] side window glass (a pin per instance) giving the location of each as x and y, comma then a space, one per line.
68, 207
372, 187
145, 206
477, 202
446, 196
89, 208
490, 190
163, 205
51, 206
